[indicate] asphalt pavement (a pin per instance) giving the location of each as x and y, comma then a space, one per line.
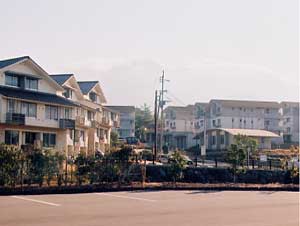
157, 208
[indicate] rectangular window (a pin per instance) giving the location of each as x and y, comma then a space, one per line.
71, 134
90, 115
213, 140
49, 139
31, 83
82, 134
51, 112
30, 137
29, 109
68, 113
11, 80
11, 106
68, 93
222, 139
11, 137
93, 96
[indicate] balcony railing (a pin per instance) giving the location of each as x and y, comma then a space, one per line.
105, 121
116, 124
15, 118
67, 124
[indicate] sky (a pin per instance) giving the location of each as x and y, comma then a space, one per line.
216, 49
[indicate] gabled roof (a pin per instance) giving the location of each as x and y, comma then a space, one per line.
86, 86
61, 78
5, 63
35, 96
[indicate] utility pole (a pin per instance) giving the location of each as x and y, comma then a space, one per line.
162, 103
155, 127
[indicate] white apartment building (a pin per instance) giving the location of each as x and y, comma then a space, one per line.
127, 120
290, 122
240, 114
51, 111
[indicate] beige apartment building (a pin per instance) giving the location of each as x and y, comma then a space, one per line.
52, 111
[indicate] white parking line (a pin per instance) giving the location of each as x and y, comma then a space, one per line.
35, 200
127, 197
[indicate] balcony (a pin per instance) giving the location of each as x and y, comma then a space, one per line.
82, 122
105, 121
15, 118
67, 124
95, 124
116, 124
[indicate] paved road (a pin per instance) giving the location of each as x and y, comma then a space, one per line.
153, 208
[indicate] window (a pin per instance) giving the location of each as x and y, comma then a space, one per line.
51, 112
267, 111
11, 106
214, 122
49, 139
11, 80
232, 119
71, 133
11, 137
68, 113
90, 115
68, 93
30, 137
29, 109
31, 83
219, 122
82, 134
93, 96
222, 139
213, 140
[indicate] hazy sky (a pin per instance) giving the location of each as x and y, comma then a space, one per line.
236, 49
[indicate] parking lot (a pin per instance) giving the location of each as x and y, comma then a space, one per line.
228, 208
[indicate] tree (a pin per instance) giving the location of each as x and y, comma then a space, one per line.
53, 164
9, 165
237, 153
178, 164
114, 139
143, 119
36, 171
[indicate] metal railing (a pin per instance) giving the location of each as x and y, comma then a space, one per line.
15, 118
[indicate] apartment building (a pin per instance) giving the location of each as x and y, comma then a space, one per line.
240, 114
51, 111
181, 124
127, 120
290, 122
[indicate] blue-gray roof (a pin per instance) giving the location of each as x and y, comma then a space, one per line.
5, 63
86, 86
35, 96
61, 78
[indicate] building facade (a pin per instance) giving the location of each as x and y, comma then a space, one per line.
51, 111
238, 114
290, 122
127, 120
220, 139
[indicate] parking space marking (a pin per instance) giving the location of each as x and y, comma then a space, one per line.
35, 200
127, 197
